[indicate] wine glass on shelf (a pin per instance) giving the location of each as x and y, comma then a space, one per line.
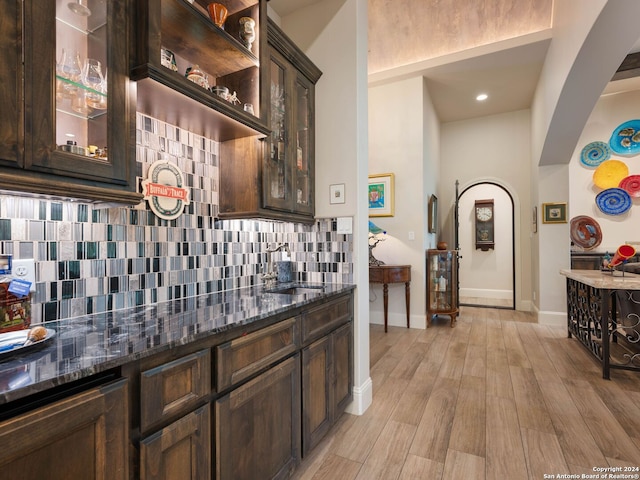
70, 68
93, 79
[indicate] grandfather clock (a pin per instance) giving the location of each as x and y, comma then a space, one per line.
485, 239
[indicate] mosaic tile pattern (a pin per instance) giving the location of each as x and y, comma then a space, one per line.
92, 260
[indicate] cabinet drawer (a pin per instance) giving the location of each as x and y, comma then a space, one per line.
174, 387
324, 318
240, 358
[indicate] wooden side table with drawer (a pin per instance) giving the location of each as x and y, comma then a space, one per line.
387, 274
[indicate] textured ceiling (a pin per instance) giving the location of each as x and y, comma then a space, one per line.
461, 48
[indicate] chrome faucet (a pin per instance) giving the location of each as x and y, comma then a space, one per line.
270, 276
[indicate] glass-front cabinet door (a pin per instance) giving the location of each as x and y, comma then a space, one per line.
277, 171
289, 160
304, 145
79, 109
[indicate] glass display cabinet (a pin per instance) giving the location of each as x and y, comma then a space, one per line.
288, 179
442, 284
78, 106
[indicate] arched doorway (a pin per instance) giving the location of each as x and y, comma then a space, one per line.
486, 274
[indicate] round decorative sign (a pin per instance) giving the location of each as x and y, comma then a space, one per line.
594, 154
164, 190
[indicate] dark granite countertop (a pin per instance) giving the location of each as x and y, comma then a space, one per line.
91, 344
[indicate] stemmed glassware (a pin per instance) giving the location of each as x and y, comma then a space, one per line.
73, 74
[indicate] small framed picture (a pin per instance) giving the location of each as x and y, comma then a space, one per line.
380, 194
336, 193
554, 213
433, 214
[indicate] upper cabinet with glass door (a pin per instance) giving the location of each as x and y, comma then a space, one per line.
197, 65
77, 106
288, 173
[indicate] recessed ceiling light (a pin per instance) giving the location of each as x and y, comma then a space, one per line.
482, 97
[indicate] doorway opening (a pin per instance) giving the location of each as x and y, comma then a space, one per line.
486, 271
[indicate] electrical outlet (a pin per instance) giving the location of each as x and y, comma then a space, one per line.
25, 269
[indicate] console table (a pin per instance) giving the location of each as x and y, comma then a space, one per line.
594, 317
387, 274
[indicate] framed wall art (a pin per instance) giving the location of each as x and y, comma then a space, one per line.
380, 193
336, 193
433, 214
554, 213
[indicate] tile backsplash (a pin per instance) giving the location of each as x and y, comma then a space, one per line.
91, 258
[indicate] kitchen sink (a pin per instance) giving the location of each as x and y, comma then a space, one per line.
289, 289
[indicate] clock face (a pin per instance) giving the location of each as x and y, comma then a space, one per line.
484, 214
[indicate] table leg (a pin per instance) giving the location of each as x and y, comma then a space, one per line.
604, 330
407, 295
385, 291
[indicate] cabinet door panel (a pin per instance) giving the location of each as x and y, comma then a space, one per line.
324, 318
343, 367
258, 426
181, 451
11, 120
316, 392
81, 437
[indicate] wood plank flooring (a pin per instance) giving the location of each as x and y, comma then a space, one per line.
497, 397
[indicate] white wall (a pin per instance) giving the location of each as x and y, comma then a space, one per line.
590, 40
486, 274
610, 111
334, 36
397, 145
493, 149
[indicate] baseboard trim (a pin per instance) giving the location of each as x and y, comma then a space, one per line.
362, 398
557, 319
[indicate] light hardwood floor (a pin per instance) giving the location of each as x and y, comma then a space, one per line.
497, 397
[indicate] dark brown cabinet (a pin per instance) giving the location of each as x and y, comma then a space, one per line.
176, 392
274, 178
81, 437
69, 107
181, 450
327, 367
183, 31
258, 426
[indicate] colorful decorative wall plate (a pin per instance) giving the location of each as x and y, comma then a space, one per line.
613, 201
594, 154
610, 173
585, 232
631, 184
625, 139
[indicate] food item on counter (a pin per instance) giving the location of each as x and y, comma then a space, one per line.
36, 334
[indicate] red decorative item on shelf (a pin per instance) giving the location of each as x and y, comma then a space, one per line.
218, 13
623, 253
441, 245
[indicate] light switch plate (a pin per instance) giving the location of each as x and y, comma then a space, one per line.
345, 225
25, 269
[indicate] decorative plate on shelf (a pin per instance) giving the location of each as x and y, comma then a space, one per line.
594, 154
610, 173
631, 184
613, 201
625, 139
12, 343
585, 232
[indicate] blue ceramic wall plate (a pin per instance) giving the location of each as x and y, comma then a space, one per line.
594, 154
625, 139
613, 201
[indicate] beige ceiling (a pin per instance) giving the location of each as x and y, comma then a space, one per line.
461, 47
